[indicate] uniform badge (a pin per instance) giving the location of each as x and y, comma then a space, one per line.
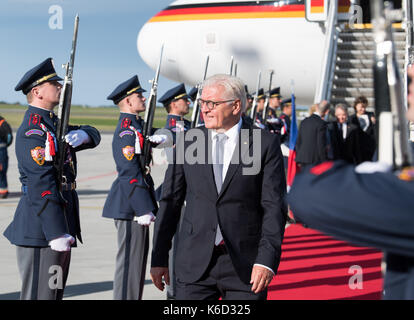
126, 132
34, 131
128, 152
38, 155
407, 174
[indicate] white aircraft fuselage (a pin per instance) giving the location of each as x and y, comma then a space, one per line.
260, 35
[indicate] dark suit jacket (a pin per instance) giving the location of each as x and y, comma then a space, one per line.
250, 210
367, 138
347, 149
311, 144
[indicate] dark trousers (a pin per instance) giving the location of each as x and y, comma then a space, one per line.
43, 272
4, 163
219, 280
131, 260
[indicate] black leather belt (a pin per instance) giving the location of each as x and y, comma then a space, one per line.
65, 187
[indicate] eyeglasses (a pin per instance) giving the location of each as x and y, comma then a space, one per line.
212, 104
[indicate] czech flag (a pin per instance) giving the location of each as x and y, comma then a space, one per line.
292, 166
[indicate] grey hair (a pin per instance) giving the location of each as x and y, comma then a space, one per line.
343, 107
233, 86
323, 107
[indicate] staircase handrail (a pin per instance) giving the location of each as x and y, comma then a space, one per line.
328, 61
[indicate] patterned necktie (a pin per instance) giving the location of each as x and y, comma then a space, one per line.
218, 174
218, 160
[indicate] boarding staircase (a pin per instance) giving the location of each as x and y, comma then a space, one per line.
352, 71
347, 64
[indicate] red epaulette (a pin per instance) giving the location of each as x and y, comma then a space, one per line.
35, 120
126, 122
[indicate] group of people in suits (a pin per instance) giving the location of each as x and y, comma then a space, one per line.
231, 231
350, 138
377, 211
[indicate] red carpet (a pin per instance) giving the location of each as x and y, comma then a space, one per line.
317, 267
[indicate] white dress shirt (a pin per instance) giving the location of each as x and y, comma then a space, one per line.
229, 146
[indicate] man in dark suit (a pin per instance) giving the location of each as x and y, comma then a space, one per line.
45, 225
311, 144
233, 225
344, 137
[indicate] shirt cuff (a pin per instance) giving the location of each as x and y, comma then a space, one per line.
261, 265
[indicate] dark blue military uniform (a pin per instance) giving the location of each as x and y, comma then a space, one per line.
131, 195
39, 215
373, 210
43, 213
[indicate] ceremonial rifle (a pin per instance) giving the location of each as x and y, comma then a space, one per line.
145, 158
64, 110
231, 65
195, 117
393, 145
266, 107
253, 111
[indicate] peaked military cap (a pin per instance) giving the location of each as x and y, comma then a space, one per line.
43, 72
274, 93
286, 101
260, 94
248, 95
175, 93
193, 93
125, 89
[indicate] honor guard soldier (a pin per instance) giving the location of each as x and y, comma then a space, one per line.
177, 105
6, 138
261, 97
45, 224
130, 201
275, 100
275, 125
285, 118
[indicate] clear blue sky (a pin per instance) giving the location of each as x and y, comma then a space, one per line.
106, 53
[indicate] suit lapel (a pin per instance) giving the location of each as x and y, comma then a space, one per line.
208, 167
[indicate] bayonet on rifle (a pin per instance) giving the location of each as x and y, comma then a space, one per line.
149, 119
266, 107
64, 109
254, 106
195, 117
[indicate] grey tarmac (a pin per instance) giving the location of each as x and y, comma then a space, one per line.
93, 262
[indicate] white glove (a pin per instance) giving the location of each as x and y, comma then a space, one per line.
77, 137
259, 125
62, 243
146, 219
158, 138
372, 167
273, 120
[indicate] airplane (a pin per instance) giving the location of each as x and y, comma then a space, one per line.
287, 37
